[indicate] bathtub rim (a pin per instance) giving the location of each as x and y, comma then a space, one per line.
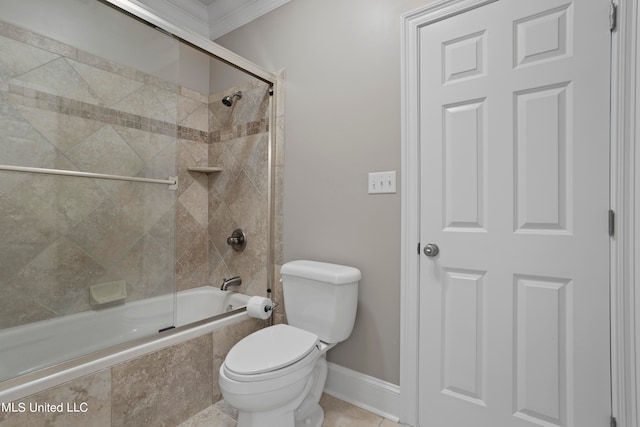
33, 382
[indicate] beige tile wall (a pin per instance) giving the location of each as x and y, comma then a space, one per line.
238, 194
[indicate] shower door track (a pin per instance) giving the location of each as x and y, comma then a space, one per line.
172, 181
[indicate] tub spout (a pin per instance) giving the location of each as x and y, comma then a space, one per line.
234, 281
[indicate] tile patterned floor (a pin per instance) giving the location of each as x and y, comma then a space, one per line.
337, 413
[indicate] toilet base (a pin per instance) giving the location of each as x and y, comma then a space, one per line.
271, 419
309, 413
313, 419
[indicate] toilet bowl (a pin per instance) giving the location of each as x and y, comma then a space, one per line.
276, 375
269, 386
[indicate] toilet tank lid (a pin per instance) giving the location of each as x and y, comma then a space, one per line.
321, 271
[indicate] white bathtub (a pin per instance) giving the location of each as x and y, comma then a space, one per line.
38, 345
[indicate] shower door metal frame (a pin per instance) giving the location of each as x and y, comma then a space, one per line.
194, 40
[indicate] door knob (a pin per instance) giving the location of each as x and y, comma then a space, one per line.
431, 249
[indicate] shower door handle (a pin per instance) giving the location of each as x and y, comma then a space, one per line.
431, 250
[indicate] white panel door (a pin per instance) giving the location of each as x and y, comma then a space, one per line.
514, 143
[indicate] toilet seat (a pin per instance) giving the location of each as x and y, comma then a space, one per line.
271, 352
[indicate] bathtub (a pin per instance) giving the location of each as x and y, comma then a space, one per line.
111, 335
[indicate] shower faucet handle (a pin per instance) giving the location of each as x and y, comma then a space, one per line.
238, 240
234, 240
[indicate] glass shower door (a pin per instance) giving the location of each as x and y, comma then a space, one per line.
87, 261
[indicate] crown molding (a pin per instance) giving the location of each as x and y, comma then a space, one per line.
188, 14
240, 16
214, 21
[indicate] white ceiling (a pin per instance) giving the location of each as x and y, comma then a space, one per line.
211, 18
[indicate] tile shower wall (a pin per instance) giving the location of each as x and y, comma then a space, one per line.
238, 196
62, 108
191, 206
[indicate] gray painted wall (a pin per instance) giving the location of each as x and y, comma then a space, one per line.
342, 60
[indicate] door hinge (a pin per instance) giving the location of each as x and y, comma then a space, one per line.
418, 248
613, 16
614, 422
612, 223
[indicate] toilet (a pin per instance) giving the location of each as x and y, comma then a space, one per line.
275, 376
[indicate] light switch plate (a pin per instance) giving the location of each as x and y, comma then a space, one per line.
382, 182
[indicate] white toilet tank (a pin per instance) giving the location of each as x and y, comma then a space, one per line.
321, 298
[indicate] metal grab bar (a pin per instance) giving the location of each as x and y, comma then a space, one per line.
172, 181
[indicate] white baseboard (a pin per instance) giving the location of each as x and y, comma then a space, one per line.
369, 393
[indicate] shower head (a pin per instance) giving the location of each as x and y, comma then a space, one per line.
228, 100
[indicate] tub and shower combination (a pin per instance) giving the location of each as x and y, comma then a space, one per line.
38, 345
124, 168
65, 340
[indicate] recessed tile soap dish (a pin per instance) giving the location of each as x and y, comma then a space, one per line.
108, 293
205, 169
